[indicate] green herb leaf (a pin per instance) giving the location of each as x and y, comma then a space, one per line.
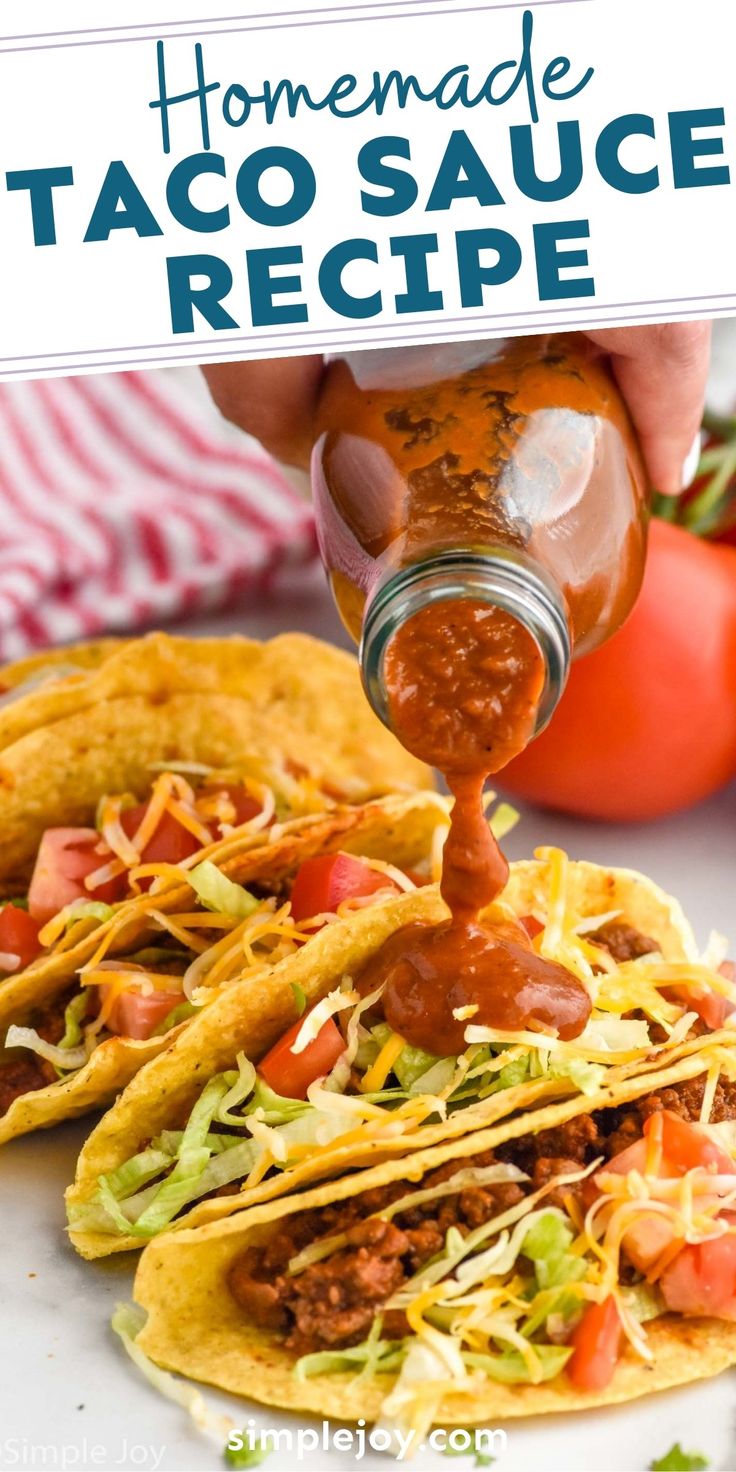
482, 1459
676, 1460
246, 1455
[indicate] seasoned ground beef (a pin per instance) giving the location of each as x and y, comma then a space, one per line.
22, 1073
332, 1304
684, 1099
622, 941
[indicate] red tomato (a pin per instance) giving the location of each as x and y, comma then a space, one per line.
709, 1005
136, 1016
65, 857
19, 935
246, 807
702, 1278
596, 1346
171, 841
647, 724
324, 882
685, 1146
290, 1074
532, 926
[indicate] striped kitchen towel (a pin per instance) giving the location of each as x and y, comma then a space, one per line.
125, 500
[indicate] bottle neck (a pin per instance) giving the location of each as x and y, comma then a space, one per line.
500, 577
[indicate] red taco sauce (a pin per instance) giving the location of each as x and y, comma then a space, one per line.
460, 519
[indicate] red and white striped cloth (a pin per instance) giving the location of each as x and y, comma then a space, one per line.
124, 501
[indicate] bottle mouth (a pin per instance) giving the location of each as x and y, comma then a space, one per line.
501, 577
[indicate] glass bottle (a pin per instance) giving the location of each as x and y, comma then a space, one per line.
507, 472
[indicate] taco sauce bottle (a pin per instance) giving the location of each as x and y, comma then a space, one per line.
482, 516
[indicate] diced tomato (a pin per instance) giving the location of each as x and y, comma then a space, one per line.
702, 1278
171, 841
532, 925
710, 1006
19, 935
290, 1074
65, 857
136, 1016
685, 1146
650, 1233
596, 1346
246, 806
322, 883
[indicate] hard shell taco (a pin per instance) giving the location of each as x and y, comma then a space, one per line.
78, 724
578, 1256
200, 917
299, 1076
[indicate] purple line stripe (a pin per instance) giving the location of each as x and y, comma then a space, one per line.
173, 360
332, 332
334, 20
157, 25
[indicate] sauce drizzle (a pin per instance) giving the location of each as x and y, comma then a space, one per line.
464, 682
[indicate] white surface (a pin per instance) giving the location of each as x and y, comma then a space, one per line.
69, 1396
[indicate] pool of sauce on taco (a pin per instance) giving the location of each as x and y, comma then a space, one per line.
464, 681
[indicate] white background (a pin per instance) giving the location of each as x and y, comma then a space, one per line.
81, 99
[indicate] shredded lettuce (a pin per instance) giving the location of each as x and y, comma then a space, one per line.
411, 1063
587, 1077
216, 892
300, 998
127, 1322
546, 1244
436, 1078
276, 1108
240, 1086
504, 818
336, 1362
74, 1014
65, 1059
511, 1368
194, 1154
510, 1076
180, 1013
86, 910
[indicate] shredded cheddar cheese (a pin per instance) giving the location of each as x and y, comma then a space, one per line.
373, 1081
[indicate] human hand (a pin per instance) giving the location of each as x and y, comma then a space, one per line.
661, 371
274, 399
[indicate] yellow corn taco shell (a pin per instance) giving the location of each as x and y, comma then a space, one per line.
398, 830
251, 1016
195, 1327
22, 676
289, 712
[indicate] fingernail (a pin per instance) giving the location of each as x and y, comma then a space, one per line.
690, 464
